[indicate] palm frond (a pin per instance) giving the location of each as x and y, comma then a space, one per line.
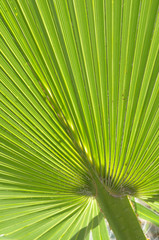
80, 92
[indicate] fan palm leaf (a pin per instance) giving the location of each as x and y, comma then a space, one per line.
79, 126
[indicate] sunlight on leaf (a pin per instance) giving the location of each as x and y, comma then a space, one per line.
80, 93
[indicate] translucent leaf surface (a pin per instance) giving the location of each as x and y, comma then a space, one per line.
80, 93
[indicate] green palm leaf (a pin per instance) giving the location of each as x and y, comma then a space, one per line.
146, 211
80, 93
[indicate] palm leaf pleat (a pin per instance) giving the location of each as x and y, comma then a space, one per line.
80, 89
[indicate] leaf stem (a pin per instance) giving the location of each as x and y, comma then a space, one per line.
119, 213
